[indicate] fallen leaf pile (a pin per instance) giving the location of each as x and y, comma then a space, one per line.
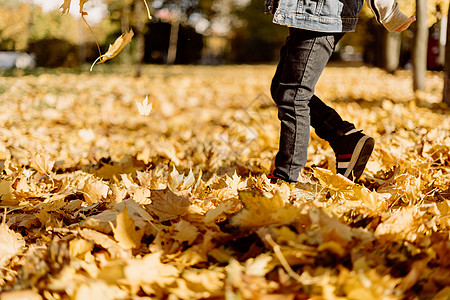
101, 202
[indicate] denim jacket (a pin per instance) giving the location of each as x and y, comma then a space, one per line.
335, 15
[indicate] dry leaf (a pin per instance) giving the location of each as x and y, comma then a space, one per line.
167, 205
80, 248
144, 107
11, 244
149, 270
380, 228
82, 2
65, 7
125, 231
185, 232
104, 241
335, 181
400, 222
95, 190
260, 210
118, 45
42, 163
7, 197
21, 295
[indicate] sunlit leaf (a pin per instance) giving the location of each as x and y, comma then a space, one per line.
144, 107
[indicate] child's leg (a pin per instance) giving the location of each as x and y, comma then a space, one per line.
326, 121
302, 61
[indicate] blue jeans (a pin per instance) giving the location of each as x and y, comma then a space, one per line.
302, 60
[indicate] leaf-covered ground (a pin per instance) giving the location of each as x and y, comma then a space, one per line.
99, 201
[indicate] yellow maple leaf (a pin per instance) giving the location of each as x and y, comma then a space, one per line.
333, 181
125, 231
260, 210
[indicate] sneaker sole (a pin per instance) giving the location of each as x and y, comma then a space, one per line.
360, 157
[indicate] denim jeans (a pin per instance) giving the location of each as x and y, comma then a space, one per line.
302, 60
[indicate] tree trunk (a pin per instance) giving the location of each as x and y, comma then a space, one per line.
392, 47
125, 23
140, 39
420, 46
173, 40
446, 97
81, 42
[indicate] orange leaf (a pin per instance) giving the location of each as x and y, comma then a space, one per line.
65, 7
118, 45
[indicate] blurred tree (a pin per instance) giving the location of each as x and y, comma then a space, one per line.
14, 26
420, 46
382, 48
257, 39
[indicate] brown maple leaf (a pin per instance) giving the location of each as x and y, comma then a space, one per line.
167, 205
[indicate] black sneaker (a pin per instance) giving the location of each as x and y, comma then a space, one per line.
352, 153
273, 178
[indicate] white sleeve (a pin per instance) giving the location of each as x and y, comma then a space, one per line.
387, 13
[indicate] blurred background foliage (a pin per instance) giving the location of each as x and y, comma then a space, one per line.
197, 31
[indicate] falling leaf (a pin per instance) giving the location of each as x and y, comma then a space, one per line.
65, 7
82, 2
125, 231
144, 107
118, 45
11, 243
